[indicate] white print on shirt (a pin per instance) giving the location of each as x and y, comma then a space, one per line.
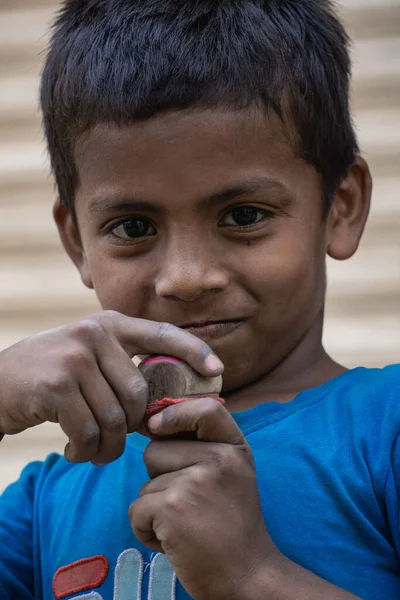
128, 578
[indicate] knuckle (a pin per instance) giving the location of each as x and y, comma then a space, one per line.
108, 319
246, 455
225, 458
199, 475
109, 456
212, 407
132, 511
79, 357
140, 389
173, 499
148, 456
115, 421
166, 331
134, 398
89, 437
109, 315
144, 488
211, 411
57, 381
89, 329
147, 453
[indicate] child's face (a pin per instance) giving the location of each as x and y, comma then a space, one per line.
215, 219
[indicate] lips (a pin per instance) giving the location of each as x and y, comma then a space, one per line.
213, 329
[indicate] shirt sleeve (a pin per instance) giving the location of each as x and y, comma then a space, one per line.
16, 536
392, 494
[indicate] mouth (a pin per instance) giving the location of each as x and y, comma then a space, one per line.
213, 329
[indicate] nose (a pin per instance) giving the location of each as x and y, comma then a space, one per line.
188, 270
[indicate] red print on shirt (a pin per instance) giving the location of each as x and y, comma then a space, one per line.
80, 576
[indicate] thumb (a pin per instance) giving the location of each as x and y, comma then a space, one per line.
206, 417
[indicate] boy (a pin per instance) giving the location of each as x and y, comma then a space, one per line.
205, 164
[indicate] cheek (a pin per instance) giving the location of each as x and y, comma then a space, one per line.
120, 286
287, 278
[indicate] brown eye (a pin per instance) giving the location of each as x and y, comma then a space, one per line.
131, 229
245, 216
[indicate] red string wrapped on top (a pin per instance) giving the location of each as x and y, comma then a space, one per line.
155, 407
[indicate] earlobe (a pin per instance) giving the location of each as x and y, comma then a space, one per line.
349, 211
70, 238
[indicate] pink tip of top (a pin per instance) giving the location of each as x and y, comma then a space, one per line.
160, 358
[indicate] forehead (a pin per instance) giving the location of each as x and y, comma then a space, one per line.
179, 151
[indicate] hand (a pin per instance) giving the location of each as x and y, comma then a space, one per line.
201, 507
82, 377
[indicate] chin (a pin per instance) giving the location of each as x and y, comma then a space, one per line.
239, 370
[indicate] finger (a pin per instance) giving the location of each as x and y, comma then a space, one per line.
160, 483
127, 383
142, 516
109, 415
172, 456
79, 425
206, 417
140, 336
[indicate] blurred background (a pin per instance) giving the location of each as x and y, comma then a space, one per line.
39, 288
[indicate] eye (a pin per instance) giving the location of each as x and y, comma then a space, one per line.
131, 229
245, 216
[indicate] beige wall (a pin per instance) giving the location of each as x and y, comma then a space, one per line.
39, 289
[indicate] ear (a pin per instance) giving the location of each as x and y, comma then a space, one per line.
349, 211
71, 240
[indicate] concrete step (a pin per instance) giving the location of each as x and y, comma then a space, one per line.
23, 28
376, 73
357, 342
21, 159
370, 18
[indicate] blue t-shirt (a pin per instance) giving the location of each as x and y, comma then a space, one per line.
328, 469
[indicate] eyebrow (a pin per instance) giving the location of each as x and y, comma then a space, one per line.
106, 203
251, 186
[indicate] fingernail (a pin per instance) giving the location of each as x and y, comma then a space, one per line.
213, 363
155, 422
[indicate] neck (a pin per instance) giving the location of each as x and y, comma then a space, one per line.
306, 366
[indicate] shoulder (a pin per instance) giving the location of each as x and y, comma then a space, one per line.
372, 382
386, 376
370, 391
363, 406
23, 491
369, 405
55, 471
375, 388
35, 472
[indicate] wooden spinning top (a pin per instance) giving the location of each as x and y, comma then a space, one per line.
171, 378
171, 381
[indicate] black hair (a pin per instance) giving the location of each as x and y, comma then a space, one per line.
122, 61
